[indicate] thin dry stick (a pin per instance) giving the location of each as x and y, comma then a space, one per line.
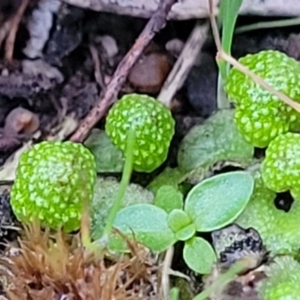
214, 25
10, 41
183, 64
165, 280
97, 72
156, 23
4, 30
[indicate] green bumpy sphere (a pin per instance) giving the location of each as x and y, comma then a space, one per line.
261, 116
152, 123
281, 166
282, 291
282, 282
278, 229
53, 182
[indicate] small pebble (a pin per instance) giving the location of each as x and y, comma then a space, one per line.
109, 45
21, 120
150, 72
174, 47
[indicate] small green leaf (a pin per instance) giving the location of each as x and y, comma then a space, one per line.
168, 198
168, 176
217, 139
199, 255
174, 293
181, 225
105, 192
146, 223
178, 219
217, 201
109, 159
186, 233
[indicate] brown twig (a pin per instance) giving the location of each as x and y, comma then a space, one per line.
10, 41
156, 23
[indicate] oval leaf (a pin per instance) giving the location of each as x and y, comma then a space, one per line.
207, 144
178, 219
147, 224
168, 198
199, 255
217, 201
185, 233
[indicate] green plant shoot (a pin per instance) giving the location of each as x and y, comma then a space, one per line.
227, 18
228, 14
142, 128
210, 205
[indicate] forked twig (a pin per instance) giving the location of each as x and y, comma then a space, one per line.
156, 23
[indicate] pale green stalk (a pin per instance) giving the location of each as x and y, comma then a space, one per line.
222, 281
269, 24
127, 170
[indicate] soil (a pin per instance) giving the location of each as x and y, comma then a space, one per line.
58, 78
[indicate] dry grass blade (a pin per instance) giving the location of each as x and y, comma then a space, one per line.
59, 267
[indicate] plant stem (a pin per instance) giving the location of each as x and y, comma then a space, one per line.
222, 280
222, 99
124, 183
269, 24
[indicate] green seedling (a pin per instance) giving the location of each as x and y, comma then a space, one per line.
142, 128
261, 116
210, 205
54, 180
